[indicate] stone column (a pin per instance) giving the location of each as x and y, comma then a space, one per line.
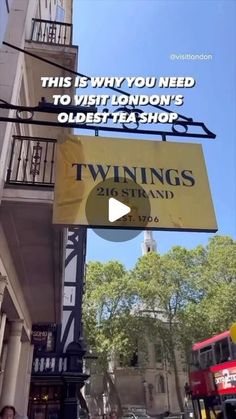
3, 283
3, 363
23, 378
12, 364
2, 329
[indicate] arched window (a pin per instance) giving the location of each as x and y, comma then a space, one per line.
158, 350
160, 384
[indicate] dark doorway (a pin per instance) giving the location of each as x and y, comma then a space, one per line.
45, 402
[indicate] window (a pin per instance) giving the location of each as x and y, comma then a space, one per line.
222, 351
160, 384
233, 349
158, 352
44, 338
206, 357
134, 360
4, 17
217, 349
60, 14
225, 350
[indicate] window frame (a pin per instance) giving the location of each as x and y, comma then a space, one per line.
220, 344
204, 356
160, 384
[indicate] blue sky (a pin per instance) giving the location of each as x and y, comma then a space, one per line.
136, 38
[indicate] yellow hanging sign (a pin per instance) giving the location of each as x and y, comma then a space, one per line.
171, 176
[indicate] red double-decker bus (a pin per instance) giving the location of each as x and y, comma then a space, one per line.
212, 377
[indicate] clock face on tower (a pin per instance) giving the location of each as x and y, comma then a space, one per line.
69, 296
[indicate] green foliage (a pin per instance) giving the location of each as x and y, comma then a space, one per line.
108, 303
220, 263
178, 298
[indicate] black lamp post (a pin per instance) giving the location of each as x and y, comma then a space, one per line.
74, 379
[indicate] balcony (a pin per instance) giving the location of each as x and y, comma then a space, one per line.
49, 365
31, 162
34, 243
51, 32
52, 42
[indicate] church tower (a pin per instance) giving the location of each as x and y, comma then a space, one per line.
149, 244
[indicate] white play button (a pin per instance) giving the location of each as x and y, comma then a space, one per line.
117, 210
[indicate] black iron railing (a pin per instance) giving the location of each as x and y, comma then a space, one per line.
32, 161
49, 364
51, 32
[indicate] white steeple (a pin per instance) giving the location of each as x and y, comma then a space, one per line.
149, 244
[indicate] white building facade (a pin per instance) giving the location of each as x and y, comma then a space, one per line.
31, 248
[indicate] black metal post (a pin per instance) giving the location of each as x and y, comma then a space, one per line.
74, 378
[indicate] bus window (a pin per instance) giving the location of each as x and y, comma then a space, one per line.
222, 351
209, 358
225, 350
217, 348
233, 348
206, 357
